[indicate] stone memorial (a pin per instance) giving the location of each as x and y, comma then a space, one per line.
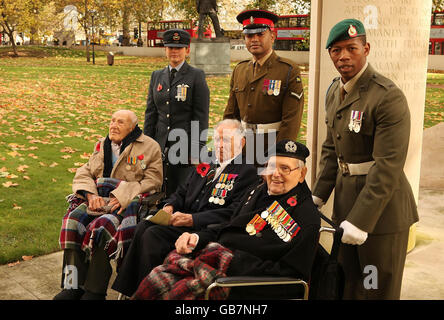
211, 55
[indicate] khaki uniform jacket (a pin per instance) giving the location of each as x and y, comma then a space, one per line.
135, 179
250, 102
381, 201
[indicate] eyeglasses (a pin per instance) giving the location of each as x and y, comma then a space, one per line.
283, 170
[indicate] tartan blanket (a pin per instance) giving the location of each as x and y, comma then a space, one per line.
183, 278
111, 231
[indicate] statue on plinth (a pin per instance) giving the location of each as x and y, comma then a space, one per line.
208, 8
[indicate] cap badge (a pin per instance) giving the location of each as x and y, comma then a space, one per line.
290, 146
352, 31
176, 36
251, 20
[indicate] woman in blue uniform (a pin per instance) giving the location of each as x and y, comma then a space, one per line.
178, 98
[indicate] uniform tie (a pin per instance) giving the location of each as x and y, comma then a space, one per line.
343, 93
172, 74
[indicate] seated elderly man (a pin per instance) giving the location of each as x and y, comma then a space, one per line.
124, 165
209, 196
274, 232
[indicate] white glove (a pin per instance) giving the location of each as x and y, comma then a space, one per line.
318, 201
352, 234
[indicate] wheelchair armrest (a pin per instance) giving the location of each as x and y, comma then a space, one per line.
229, 282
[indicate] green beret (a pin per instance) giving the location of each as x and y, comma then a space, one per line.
344, 30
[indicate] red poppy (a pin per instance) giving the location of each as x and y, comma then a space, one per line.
140, 157
292, 201
202, 169
98, 146
159, 87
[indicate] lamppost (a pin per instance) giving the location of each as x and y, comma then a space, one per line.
93, 13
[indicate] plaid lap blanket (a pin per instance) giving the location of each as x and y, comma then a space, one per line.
184, 278
86, 232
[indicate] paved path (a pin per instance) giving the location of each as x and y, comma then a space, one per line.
39, 278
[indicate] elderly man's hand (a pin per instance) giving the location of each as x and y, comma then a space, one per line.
115, 204
95, 202
186, 243
179, 219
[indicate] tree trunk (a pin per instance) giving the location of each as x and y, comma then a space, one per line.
126, 38
10, 32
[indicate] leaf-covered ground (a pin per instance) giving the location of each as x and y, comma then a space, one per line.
53, 107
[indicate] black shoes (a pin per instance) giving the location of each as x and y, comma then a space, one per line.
69, 294
78, 294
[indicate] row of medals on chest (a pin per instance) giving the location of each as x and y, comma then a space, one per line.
221, 189
279, 220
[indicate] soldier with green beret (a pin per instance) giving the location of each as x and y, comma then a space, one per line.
363, 156
266, 92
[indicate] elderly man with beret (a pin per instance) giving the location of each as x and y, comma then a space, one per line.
363, 156
273, 232
124, 165
208, 196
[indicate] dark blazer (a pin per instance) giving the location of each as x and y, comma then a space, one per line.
193, 195
267, 254
165, 111
381, 201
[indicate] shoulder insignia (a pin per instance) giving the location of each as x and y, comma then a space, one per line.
299, 96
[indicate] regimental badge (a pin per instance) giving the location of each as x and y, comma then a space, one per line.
280, 221
176, 36
355, 121
290, 146
352, 31
251, 20
182, 92
272, 87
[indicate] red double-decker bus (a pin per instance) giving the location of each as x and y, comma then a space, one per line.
292, 32
155, 30
436, 44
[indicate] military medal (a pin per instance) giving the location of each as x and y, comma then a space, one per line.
271, 87
265, 86
182, 92
255, 225
142, 162
277, 87
355, 121
280, 221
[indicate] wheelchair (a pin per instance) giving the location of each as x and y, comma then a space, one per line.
326, 280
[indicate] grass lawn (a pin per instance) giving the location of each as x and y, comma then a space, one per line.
53, 108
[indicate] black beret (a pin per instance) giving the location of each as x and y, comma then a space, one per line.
289, 148
176, 38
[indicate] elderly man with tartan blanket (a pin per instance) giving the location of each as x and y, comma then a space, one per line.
102, 215
273, 232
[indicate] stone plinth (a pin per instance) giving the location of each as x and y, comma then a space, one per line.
211, 55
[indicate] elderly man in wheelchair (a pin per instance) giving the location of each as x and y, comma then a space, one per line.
273, 232
125, 167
